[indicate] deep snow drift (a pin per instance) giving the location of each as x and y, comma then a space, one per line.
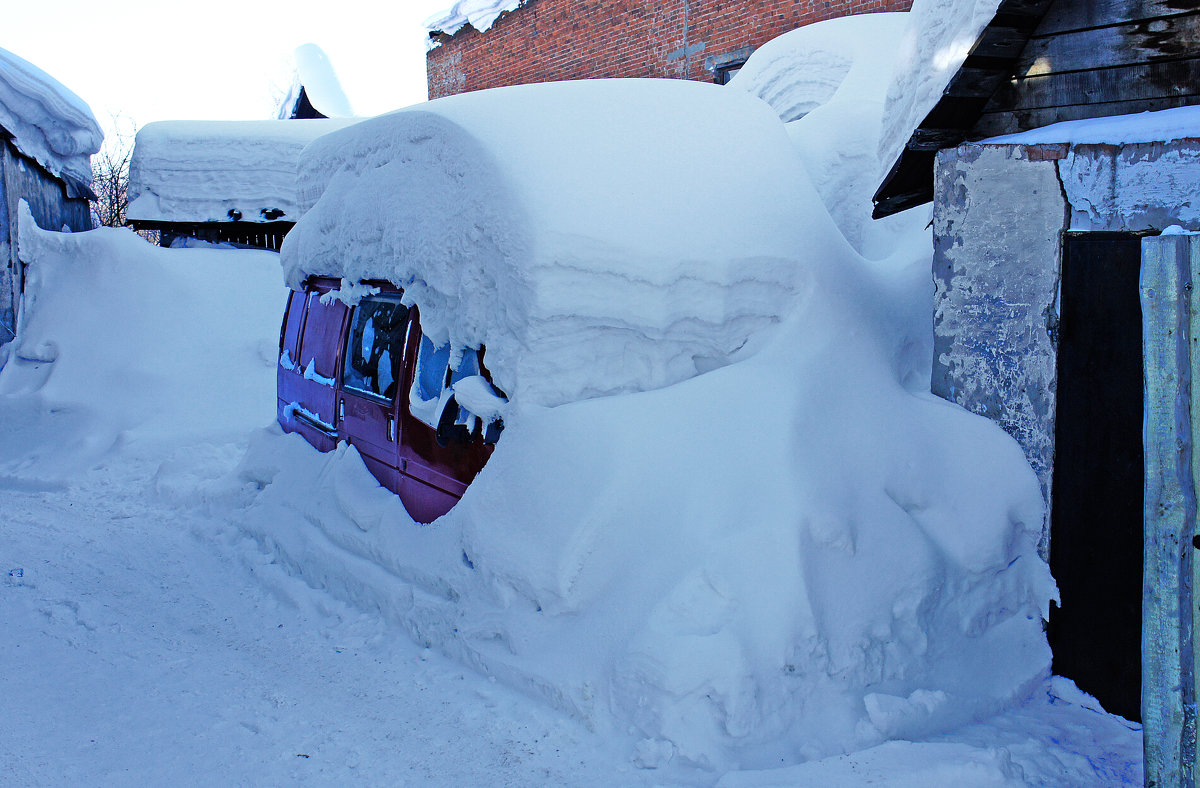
798, 553
479, 14
48, 123
218, 170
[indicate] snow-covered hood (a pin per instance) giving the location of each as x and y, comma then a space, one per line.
597, 236
48, 123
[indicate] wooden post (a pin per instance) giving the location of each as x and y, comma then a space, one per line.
1171, 333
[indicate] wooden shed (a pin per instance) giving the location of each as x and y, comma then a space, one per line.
47, 137
1064, 312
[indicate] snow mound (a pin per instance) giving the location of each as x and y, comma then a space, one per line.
48, 123
828, 81
214, 171
113, 344
479, 14
315, 75
562, 226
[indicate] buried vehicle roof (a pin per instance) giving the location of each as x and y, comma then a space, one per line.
202, 170
557, 225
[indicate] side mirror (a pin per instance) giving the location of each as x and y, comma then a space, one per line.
448, 430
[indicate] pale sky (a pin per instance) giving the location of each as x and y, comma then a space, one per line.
180, 59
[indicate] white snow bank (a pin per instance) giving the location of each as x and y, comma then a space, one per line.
114, 341
792, 556
828, 82
1161, 126
48, 123
598, 237
315, 74
201, 171
940, 35
479, 14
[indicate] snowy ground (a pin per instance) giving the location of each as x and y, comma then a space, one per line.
149, 640
151, 643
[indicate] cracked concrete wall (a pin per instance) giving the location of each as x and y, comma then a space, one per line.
997, 227
999, 215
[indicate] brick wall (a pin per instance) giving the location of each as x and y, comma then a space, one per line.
546, 40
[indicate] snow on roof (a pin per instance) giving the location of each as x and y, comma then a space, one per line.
315, 75
479, 14
1161, 126
652, 226
48, 123
201, 171
940, 35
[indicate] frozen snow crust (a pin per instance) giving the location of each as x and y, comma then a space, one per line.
560, 221
199, 171
49, 123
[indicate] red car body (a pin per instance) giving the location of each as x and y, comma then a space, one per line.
363, 375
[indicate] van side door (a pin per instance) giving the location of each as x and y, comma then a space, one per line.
373, 372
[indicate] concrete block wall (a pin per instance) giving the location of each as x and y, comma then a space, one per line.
546, 40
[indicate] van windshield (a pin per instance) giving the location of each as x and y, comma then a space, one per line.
375, 349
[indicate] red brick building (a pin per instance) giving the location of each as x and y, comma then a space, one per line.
545, 40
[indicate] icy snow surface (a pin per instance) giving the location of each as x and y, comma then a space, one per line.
315, 73
199, 171
647, 225
49, 123
1161, 126
480, 14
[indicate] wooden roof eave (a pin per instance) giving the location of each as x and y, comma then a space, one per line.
989, 63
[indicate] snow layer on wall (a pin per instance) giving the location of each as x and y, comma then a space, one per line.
479, 14
48, 123
565, 221
200, 171
1161, 126
315, 74
828, 82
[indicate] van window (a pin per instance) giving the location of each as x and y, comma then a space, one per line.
375, 347
289, 338
319, 343
433, 366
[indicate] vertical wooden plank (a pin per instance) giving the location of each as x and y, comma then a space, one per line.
1168, 672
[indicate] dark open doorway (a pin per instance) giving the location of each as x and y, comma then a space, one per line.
1096, 513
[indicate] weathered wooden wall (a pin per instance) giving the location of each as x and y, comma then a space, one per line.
22, 178
1099, 58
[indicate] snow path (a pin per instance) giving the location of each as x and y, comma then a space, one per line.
151, 644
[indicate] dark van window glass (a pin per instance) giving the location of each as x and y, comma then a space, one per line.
293, 318
319, 344
375, 347
433, 364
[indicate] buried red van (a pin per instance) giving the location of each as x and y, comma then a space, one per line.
367, 375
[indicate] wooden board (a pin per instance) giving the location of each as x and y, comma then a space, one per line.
1075, 15
991, 124
1136, 42
1123, 83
